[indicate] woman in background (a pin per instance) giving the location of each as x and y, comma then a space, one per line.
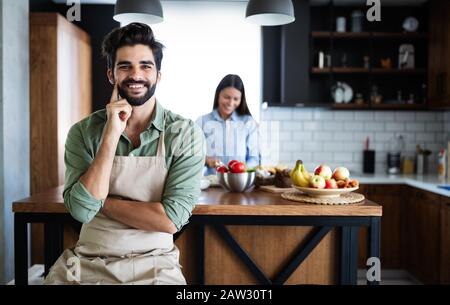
231, 132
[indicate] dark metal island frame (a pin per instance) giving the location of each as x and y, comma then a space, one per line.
209, 240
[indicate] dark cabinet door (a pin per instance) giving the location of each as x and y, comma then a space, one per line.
422, 235
445, 240
390, 198
438, 54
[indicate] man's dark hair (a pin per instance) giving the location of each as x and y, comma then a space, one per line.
130, 35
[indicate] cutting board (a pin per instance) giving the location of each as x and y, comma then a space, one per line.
274, 189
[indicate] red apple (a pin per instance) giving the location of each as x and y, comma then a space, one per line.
237, 167
324, 171
230, 164
331, 184
222, 169
341, 173
317, 182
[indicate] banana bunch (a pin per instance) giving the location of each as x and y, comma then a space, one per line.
300, 175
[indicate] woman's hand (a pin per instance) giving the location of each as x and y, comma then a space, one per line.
212, 162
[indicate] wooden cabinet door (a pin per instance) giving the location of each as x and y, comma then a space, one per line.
445, 241
423, 236
438, 50
390, 198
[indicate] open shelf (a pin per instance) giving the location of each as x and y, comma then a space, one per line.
350, 106
351, 35
398, 107
357, 70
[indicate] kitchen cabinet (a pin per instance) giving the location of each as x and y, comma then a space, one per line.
390, 198
60, 95
439, 48
422, 235
445, 240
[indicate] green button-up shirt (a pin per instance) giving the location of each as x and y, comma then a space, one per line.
185, 157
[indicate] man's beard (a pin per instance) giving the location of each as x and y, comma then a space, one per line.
137, 101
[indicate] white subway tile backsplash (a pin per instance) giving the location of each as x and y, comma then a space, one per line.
322, 157
431, 126
364, 116
425, 137
312, 146
404, 116
281, 113
332, 126
302, 114
343, 136
425, 116
361, 136
334, 146
291, 146
383, 136
312, 125
285, 136
322, 136
302, 135
340, 157
353, 126
337, 137
373, 126
358, 156
344, 115
323, 115
414, 126
395, 126
384, 116
291, 126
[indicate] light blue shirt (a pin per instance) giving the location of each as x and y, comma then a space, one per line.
234, 138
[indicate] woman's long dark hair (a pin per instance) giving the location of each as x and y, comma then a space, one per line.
232, 80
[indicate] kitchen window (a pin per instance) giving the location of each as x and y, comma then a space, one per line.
205, 41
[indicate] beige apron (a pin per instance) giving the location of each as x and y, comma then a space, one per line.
110, 252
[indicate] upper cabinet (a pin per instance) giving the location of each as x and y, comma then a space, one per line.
439, 52
332, 56
60, 96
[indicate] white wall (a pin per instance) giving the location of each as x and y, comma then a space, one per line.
14, 127
337, 137
204, 42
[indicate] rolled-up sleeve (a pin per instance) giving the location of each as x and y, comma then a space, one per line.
182, 187
77, 199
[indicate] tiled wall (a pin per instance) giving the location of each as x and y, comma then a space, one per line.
337, 137
447, 125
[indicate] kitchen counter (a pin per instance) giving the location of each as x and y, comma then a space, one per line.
428, 183
237, 238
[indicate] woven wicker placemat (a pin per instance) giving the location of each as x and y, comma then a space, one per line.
348, 198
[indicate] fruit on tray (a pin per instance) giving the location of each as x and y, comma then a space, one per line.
300, 175
331, 184
324, 171
341, 173
282, 178
323, 177
317, 182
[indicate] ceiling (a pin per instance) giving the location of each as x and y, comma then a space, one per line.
313, 2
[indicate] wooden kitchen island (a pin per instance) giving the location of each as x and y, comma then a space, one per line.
254, 237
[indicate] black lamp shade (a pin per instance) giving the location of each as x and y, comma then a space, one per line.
144, 11
270, 12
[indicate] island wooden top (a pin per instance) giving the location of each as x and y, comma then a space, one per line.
216, 201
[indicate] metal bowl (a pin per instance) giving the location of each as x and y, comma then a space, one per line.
236, 182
